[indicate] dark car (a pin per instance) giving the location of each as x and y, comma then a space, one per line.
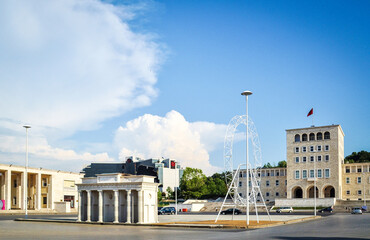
230, 211
167, 210
328, 209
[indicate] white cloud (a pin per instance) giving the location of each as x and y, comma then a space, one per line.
67, 66
72, 64
171, 136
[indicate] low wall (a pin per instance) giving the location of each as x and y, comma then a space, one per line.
304, 202
63, 207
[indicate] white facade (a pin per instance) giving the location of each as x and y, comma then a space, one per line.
45, 188
118, 198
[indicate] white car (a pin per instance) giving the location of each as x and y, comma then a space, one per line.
284, 209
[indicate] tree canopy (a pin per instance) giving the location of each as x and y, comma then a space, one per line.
281, 164
358, 157
194, 184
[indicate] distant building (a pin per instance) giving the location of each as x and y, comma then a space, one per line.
314, 154
167, 171
47, 189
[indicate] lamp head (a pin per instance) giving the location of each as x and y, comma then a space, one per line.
246, 93
27, 126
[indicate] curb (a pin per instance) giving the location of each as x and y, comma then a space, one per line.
174, 225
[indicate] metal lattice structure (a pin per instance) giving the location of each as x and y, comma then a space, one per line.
232, 176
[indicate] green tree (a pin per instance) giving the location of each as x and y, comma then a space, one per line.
193, 183
359, 157
282, 164
170, 193
159, 195
267, 165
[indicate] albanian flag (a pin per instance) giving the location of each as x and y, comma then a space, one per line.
310, 112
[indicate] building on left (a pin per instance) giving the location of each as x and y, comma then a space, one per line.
46, 189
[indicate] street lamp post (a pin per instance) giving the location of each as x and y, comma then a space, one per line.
246, 94
26, 174
314, 188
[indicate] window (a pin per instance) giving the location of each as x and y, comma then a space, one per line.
277, 173
326, 135
326, 147
297, 159
312, 173
304, 174
326, 157
319, 158
297, 138
240, 184
267, 194
44, 182
312, 136
277, 194
240, 174
312, 158
348, 170
319, 136
348, 192
277, 183
358, 179
297, 174
272, 173
347, 180
268, 174
311, 148
296, 149
15, 183
304, 137
241, 194
14, 200
304, 149
359, 192
319, 173
327, 173
286, 182
319, 148
304, 159
359, 170
267, 183
263, 173
44, 200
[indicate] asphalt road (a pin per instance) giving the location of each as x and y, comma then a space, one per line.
338, 226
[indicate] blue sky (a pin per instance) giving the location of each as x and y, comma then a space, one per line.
184, 64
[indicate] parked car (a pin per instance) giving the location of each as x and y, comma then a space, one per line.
356, 210
328, 209
230, 211
284, 210
167, 210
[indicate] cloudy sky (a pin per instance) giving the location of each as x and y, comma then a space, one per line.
100, 80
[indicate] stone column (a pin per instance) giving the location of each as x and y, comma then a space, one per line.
156, 205
128, 206
140, 205
38, 191
22, 192
8, 190
79, 206
115, 206
88, 206
100, 205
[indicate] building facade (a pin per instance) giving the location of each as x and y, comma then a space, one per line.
118, 198
315, 156
46, 189
315, 153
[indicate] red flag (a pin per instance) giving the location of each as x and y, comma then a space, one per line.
310, 112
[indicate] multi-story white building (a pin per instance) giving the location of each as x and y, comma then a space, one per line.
46, 189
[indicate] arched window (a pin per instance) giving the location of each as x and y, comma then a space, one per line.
312, 137
297, 138
304, 137
319, 136
327, 135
